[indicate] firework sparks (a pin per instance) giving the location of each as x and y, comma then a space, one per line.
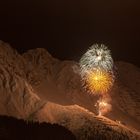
97, 57
99, 81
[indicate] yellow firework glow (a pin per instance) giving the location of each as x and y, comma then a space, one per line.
99, 81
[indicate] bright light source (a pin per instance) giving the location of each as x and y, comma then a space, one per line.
99, 57
99, 81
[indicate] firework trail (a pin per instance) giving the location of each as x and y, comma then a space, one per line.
103, 106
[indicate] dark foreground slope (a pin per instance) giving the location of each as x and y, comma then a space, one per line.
14, 129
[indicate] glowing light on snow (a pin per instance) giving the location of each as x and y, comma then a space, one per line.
103, 107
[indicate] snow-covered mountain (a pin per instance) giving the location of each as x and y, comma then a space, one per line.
36, 86
126, 95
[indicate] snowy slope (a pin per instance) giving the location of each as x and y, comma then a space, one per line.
84, 124
126, 95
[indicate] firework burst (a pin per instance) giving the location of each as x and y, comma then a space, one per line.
98, 81
97, 57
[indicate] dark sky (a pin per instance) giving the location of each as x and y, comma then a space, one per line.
68, 27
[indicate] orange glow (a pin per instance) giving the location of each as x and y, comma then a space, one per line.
99, 81
103, 107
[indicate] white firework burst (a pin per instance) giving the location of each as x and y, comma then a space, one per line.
97, 57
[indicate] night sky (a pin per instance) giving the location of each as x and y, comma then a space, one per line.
66, 28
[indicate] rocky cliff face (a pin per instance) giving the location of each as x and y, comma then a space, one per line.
126, 95
17, 97
39, 87
55, 80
